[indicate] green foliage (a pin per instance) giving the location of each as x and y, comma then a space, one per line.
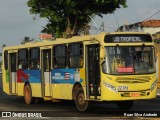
26, 39
71, 16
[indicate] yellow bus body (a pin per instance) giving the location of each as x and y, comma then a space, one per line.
137, 86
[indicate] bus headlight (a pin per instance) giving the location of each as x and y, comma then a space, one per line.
153, 85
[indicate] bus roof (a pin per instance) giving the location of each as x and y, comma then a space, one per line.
40, 43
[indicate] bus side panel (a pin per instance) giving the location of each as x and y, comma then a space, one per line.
33, 77
83, 83
5, 81
36, 89
62, 91
63, 81
20, 87
55, 91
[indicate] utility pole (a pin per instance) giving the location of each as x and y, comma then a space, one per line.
102, 25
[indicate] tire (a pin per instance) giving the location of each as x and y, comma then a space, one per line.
80, 101
28, 95
125, 105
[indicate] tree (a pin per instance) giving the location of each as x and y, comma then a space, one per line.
69, 17
26, 39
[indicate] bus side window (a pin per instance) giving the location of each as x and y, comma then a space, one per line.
75, 55
20, 65
6, 60
23, 59
34, 58
59, 56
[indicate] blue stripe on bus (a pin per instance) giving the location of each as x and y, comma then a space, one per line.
58, 76
65, 76
34, 76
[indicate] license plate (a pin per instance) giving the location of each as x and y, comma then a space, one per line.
135, 94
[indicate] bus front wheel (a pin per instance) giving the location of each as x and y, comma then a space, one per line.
80, 101
28, 95
125, 105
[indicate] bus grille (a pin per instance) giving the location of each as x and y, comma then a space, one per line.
141, 93
141, 79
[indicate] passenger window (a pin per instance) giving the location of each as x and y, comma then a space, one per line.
59, 56
34, 58
23, 59
75, 55
6, 60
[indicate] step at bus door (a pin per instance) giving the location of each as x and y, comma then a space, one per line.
46, 72
12, 72
93, 71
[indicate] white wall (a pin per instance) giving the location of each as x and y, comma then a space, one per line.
151, 30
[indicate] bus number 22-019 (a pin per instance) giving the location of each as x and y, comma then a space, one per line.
120, 88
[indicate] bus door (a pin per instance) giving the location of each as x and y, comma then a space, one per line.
46, 72
93, 70
12, 72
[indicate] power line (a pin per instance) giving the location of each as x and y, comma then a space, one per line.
110, 27
144, 14
152, 15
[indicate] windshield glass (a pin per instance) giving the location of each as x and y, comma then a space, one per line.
129, 60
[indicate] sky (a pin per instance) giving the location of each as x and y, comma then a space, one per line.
16, 22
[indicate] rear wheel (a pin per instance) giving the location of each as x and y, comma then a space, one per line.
80, 101
125, 105
28, 95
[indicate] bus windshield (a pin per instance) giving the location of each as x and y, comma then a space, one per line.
129, 60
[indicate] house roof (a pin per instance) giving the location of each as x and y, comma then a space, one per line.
148, 23
151, 23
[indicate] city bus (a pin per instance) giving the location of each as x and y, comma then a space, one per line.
116, 67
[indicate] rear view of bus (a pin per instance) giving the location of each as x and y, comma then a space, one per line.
128, 70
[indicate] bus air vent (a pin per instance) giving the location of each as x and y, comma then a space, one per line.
142, 79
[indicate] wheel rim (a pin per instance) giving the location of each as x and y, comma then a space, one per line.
81, 100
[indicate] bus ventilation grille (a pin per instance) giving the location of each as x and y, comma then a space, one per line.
141, 79
140, 94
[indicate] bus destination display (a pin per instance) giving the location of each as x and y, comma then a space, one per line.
127, 38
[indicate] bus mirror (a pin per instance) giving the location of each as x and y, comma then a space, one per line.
102, 53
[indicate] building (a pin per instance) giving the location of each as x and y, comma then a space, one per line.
156, 37
149, 26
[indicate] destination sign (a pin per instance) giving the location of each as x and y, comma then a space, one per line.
126, 38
